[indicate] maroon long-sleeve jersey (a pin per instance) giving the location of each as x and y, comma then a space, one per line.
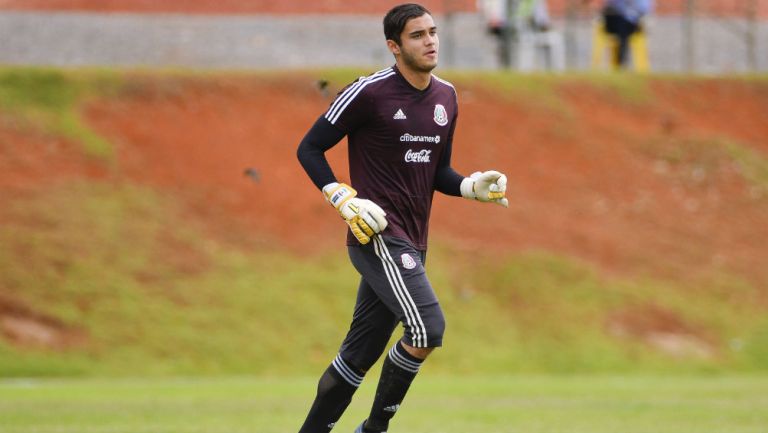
399, 137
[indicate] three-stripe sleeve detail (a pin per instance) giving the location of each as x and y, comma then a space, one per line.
413, 319
348, 95
346, 372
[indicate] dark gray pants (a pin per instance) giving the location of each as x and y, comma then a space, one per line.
394, 288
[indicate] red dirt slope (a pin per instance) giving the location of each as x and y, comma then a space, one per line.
630, 186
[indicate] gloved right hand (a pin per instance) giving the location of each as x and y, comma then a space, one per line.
364, 217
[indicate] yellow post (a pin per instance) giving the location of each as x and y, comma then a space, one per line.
599, 44
638, 46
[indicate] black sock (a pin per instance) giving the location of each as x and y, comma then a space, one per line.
334, 392
397, 373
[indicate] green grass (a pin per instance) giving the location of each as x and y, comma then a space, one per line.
448, 404
543, 91
632, 89
51, 99
127, 268
124, 265
754, 165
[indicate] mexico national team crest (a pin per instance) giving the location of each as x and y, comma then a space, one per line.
441, 116
408, 262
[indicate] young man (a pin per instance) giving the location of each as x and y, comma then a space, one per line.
400, 123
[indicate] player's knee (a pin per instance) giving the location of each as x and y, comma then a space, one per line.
435, 330
430, 337
418, 352
427, 331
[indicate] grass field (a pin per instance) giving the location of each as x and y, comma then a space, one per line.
492, 404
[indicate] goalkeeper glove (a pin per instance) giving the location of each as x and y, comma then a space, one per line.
364, 217
488, 186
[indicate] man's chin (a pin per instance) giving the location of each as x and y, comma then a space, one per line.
425, 65
428, 66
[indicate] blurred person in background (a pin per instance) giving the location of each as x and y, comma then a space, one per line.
532, 15
622, 19
509, 20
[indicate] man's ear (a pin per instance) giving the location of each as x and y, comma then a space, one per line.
393, 47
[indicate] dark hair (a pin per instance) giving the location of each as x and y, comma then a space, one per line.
398, 16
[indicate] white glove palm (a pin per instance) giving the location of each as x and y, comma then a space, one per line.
488, 186
364, 217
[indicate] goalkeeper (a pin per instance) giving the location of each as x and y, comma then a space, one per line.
399, 123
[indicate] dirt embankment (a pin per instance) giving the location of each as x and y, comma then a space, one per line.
645, 186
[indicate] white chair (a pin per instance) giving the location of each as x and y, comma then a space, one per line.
541, 51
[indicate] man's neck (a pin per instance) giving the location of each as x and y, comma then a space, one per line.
419, 80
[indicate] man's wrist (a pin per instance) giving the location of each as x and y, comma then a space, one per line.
330, 187
467, 188
338, 193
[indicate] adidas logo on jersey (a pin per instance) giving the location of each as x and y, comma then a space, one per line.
399, 115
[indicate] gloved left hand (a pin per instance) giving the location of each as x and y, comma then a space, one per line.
488, 186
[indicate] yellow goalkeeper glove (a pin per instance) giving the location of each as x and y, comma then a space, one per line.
364, 217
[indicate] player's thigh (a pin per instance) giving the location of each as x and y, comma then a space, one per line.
395, 271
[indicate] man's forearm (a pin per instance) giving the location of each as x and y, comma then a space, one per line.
448, 181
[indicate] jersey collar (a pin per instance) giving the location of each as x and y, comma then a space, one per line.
410, 86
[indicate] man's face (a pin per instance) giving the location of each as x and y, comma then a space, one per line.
419, 44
